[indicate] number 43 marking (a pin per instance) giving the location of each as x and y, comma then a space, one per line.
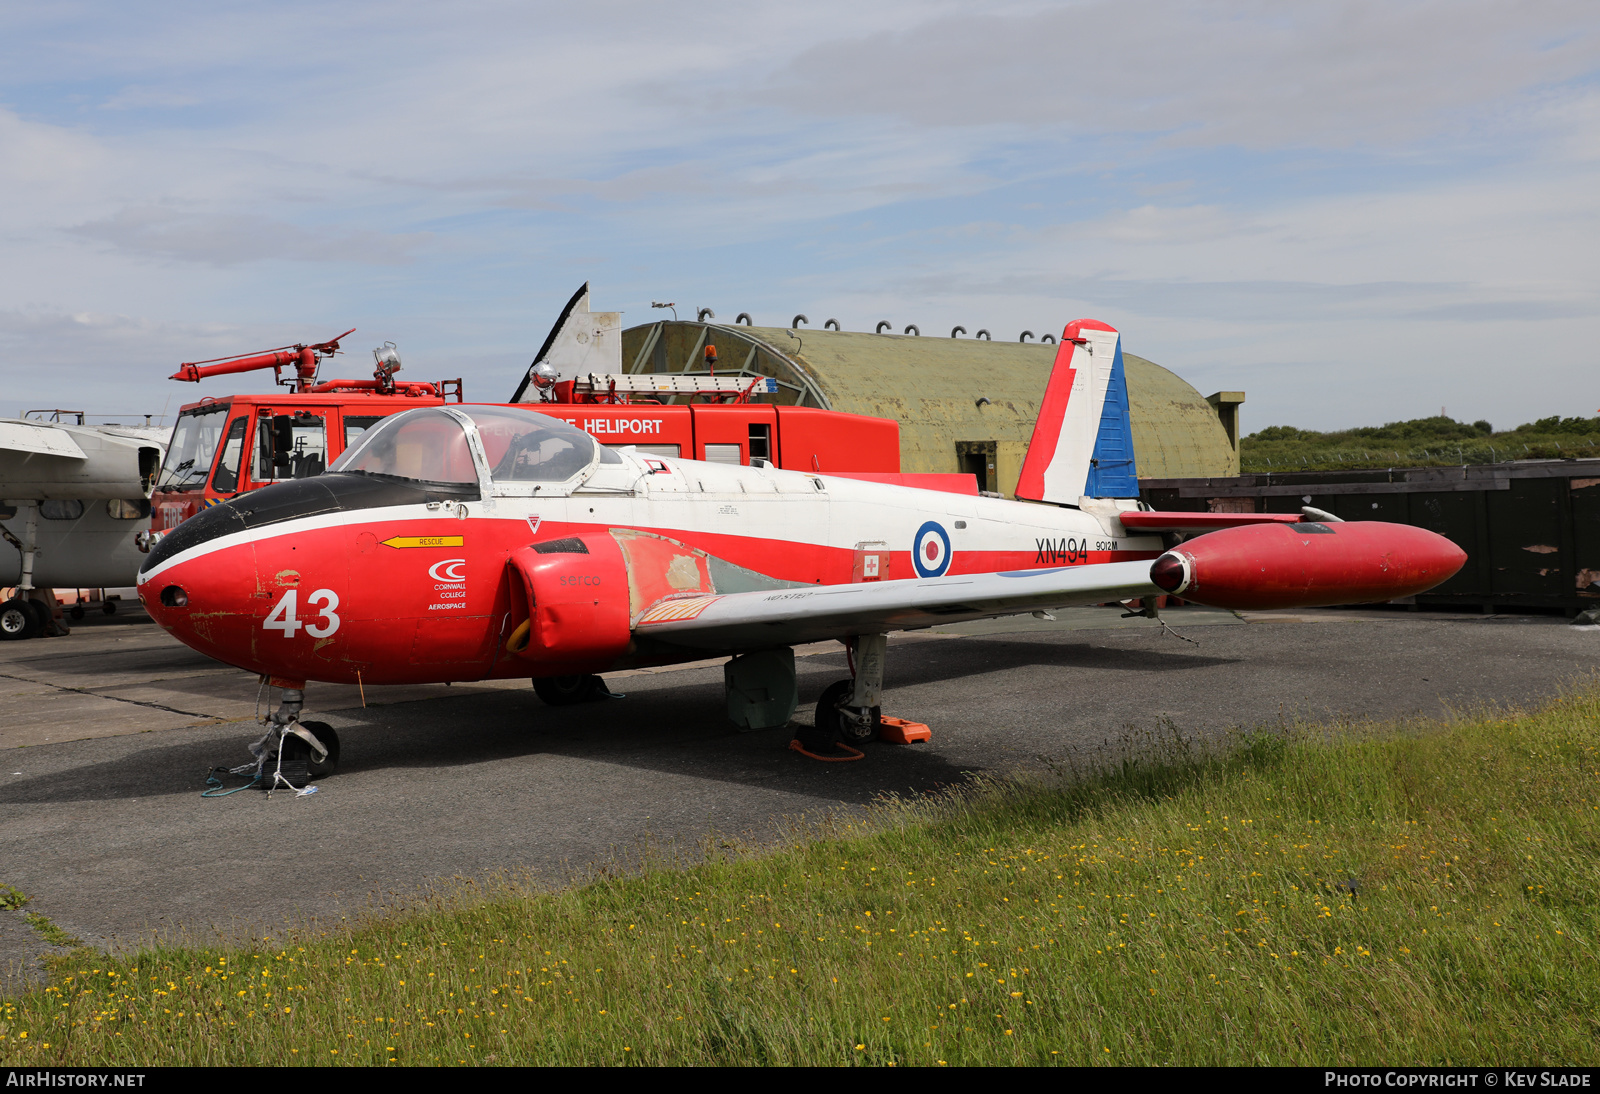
283, 614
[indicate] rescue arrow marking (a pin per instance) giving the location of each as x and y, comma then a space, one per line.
402, 542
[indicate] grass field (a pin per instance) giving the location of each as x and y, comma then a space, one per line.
1410, 894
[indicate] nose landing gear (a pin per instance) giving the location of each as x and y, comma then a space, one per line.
309, 750
291, 753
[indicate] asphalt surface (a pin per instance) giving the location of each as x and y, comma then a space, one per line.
106, 736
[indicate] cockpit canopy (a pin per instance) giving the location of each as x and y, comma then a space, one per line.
526, 446
431, 445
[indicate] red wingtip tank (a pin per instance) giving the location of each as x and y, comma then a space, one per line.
1307, 565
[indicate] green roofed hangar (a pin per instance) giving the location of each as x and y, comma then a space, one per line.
963, 404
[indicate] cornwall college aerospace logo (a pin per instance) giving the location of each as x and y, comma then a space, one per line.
448, 570
930, 551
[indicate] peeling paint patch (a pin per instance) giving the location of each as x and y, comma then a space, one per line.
292, 577
1584, 484
1587, 578
1541, 549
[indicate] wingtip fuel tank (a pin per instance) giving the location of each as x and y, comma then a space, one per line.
1307, 565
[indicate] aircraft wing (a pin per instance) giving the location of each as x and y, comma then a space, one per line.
759, 620
42, 440
40, 460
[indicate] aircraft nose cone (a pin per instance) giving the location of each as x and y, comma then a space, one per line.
166, 596
205, 602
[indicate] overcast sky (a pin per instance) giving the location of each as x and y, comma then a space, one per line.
1355, 212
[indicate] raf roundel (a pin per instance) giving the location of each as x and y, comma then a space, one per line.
930, 551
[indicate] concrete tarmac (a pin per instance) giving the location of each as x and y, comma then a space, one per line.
106, 737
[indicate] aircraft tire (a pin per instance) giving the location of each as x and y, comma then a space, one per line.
561, 691
17, 620
75, 612
835, 725
330, 740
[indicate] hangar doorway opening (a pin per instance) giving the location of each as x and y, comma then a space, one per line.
977, 458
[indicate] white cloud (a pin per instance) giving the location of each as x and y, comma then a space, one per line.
230, 239
44, 164
138, 97
1256, 74
442, 172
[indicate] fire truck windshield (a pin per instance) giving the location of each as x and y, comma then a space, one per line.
194, 445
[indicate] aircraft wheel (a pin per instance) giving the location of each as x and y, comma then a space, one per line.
560, 691
17, 620
296, 751
109, 607
330, 740
76, 612
831, 721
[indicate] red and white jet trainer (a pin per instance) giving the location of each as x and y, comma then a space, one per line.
473, 542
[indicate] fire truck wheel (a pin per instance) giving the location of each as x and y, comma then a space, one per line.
330, 741
17, 620
831, 720
560, 691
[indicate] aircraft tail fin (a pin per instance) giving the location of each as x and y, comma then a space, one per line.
582, 341
1082, 444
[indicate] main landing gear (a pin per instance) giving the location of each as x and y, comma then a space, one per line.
762, 694
838, 721
18, 620
31, 611
25, 617
849, 710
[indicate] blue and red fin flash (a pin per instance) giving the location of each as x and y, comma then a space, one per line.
1082, 444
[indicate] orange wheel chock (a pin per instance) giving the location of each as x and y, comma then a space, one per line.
898, 731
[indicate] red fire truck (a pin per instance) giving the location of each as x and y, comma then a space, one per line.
225, 446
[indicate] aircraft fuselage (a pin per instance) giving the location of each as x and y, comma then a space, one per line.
400, 589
